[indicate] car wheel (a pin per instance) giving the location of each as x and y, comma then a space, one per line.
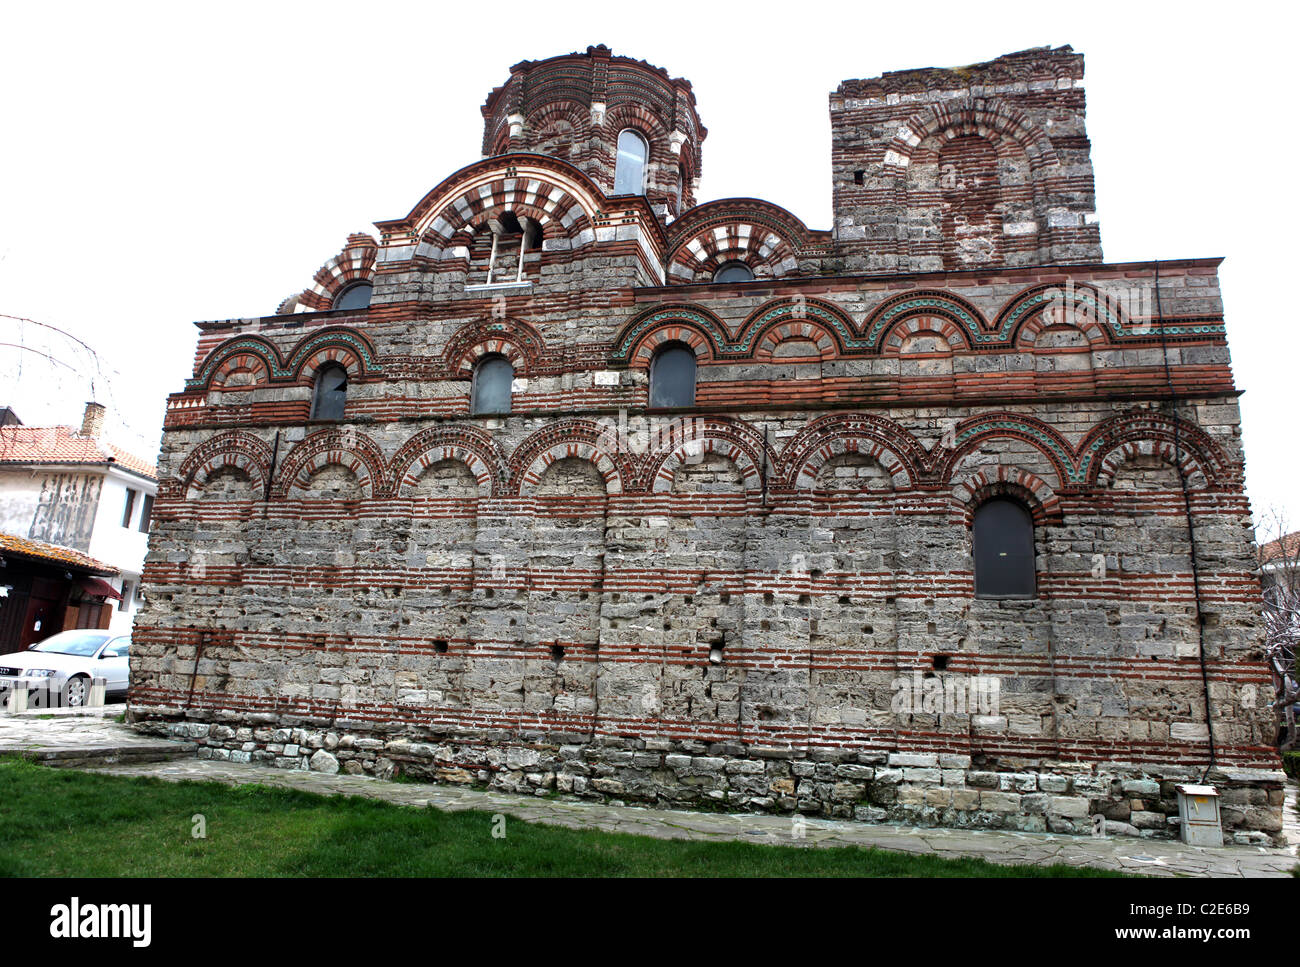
76, 691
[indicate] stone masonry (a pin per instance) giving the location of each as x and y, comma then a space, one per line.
764, 600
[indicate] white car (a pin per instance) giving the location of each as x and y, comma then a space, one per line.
63, 665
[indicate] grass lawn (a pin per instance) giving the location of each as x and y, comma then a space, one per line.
56, 822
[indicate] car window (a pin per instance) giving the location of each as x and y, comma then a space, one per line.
117, 649
83, 644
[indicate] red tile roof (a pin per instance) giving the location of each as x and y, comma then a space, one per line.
1285, 549
28, 549
63, 444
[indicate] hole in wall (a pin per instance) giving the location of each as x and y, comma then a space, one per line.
940, 662
557, 653
440, 646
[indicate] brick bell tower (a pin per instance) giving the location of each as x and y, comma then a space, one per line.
587, 108
946, 169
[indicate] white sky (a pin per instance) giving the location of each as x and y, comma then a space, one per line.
165, 164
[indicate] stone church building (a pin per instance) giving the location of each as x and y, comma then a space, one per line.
566, 481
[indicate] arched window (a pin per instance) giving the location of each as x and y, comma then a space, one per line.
491, 390
1003, 534
677, 191
330, 394
355, 296
629, 168
672, 376
733, 272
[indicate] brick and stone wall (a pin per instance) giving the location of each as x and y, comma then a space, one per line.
965, 167
764, 601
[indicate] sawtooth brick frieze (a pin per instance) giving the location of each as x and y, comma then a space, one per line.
424, 519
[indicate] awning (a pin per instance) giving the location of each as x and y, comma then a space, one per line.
100, 589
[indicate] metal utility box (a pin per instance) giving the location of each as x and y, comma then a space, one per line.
1198, 808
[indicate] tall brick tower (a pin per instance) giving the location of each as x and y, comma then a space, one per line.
965, 168
575, 107
564, 481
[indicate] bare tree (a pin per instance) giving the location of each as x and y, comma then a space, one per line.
61, 360
1279, 562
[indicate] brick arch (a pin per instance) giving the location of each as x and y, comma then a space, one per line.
897, 451
1101, 318
904, 329
239, 348
356, 263
346, 347
561, 206
1204, 463
967, 322
764, 236
764, 251
569, 112
806, 477
1027, 335
343, 447
983, 117
469, 445
788, 315
970, 433
254, 363
1115, 459
576, 438
516, 340
987, 483
235, 448
695, 326
499, 136
693, 438
795, 329
630, 114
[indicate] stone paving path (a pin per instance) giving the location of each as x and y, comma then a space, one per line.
1149, 857
82, 737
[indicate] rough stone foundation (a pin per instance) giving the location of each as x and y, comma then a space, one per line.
923, 789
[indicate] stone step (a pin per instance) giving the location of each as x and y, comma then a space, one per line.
102, 755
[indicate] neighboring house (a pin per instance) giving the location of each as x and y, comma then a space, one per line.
65, 489
45, 589
1279, 563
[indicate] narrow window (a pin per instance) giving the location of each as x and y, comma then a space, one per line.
677, 191
491, 390
146, 513
127, 596
733, 272
1003, 533
330, 394
629, 169
129, 509
672, 376
355, 296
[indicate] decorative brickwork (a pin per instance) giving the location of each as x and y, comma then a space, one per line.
765, 600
